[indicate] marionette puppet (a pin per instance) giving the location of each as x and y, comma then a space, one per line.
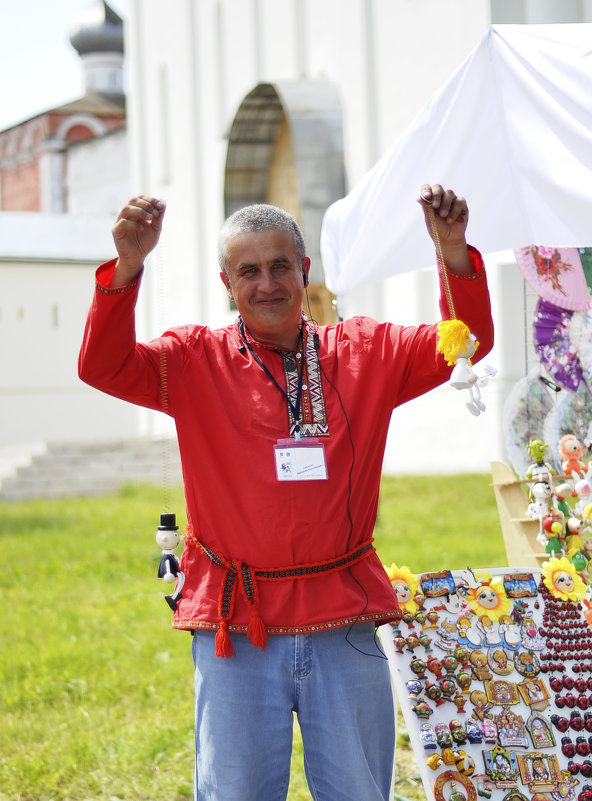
458, 346
167, 538
455, 341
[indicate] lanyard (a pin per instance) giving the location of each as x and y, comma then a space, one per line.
294, 407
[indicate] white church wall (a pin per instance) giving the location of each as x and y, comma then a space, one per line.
188, 77
385, 58
186, 81
385, 62
98, 175
174, 116
47, 270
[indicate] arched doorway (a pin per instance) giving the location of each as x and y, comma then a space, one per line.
285, 147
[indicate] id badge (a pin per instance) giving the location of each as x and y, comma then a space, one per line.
300, 460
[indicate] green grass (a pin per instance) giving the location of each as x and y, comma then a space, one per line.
96, 701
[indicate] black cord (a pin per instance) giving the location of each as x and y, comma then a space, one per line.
310, 315
380, 655
351, 442
316, 344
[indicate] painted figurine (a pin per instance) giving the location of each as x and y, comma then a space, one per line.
541, 496
489, 597
405, 585
562, 580
539, 470
428, 737
167, 538
458, 346
571, 452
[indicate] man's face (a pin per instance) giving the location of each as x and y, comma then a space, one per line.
265, 280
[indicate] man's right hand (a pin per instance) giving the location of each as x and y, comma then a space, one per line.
136, 232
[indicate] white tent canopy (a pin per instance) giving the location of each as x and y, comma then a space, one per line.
511, 131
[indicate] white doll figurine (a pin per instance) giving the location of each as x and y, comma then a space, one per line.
167, 538
541, 495
458, 346
583, 490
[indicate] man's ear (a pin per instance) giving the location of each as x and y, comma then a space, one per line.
226, 282
305, 269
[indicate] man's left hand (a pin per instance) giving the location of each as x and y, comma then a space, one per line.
450, 219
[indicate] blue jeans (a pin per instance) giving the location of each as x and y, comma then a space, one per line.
340, 690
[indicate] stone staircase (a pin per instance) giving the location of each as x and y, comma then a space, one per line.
71, 469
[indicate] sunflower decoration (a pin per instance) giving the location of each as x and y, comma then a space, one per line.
405, 584
489, 597
562, 580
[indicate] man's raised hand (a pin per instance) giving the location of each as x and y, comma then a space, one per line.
448, 223
136, 232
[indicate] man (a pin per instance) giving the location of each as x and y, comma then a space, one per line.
282, 426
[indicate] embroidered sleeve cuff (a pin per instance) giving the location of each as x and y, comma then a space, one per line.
104, 276
478, 267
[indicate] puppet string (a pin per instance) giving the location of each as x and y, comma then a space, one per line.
441, 263
164, 389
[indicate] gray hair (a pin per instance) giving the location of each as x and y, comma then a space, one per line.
258, 217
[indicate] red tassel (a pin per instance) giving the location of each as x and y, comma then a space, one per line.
224, 645
256, 630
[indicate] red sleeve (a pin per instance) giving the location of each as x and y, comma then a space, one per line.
110, 359
420, 367
471, 302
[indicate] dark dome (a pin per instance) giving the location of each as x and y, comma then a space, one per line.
99, 29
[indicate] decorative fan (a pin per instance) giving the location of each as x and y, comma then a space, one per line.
553, 343
586, 259
525, 411
556, 274
571, 415
580, 334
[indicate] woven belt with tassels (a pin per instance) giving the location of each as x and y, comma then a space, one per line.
236, 572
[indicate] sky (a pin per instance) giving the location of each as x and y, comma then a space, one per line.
40, 68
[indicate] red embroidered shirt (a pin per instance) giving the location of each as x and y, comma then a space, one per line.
229, 415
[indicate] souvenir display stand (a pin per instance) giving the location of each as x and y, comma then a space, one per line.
493, 673
519, 532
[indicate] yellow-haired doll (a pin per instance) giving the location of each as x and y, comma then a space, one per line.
405, 584
489, 598
458, 345
561, 579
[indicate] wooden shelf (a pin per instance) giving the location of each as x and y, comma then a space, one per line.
519, 532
